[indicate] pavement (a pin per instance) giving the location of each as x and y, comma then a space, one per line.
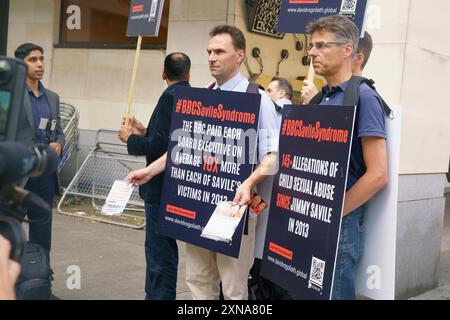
97, 261
109, 259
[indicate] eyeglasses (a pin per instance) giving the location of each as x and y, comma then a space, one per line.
319, 45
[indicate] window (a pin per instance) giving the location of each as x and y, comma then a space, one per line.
103, 24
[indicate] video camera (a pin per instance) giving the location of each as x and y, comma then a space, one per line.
18, 161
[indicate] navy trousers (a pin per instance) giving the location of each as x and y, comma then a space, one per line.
41, 221
161, 254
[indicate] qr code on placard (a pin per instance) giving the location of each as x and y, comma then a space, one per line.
266, 18
349, 6
153, 8
317, 271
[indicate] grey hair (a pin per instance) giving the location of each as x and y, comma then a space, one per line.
340, 26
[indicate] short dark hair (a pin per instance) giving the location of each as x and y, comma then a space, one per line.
236, 35
365, 46
285, 85
340, 26
177, 66
25, 49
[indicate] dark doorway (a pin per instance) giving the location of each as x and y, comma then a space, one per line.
4, 13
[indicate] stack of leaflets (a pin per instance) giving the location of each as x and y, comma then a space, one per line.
224, 221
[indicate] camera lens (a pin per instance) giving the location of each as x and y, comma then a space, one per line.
5, 71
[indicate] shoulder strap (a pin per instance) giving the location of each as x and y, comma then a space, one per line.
352, 93
252, 88
351, 96
387, 110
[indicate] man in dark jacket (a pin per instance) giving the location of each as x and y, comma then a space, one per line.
161, 252
40, 123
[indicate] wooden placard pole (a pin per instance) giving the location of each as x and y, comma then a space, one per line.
311, 73
133, 78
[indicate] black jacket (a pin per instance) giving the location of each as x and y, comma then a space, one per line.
26, 132
155, 142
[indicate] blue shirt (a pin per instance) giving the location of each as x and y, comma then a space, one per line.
369, 122
41, 110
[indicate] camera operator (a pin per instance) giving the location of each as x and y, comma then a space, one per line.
9, 271
40, 123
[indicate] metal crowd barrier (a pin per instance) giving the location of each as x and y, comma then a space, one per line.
106, 162
69, 122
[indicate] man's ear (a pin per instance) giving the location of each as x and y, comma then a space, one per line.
241, 56
359, 58
348, 50
282, 93
164, 75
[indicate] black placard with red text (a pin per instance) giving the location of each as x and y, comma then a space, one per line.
307, 199
144, 18
211, 152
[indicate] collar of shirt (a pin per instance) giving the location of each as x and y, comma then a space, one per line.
283, 101
231, 84
40, 89
335, 95
177, 84
327, 92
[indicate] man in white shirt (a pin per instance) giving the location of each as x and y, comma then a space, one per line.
206, 269
280, 91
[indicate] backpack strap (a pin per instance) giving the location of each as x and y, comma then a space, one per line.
252, 88
351, 97
387, 110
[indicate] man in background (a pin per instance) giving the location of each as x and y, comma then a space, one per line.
40, 123
161, 252
280, 91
